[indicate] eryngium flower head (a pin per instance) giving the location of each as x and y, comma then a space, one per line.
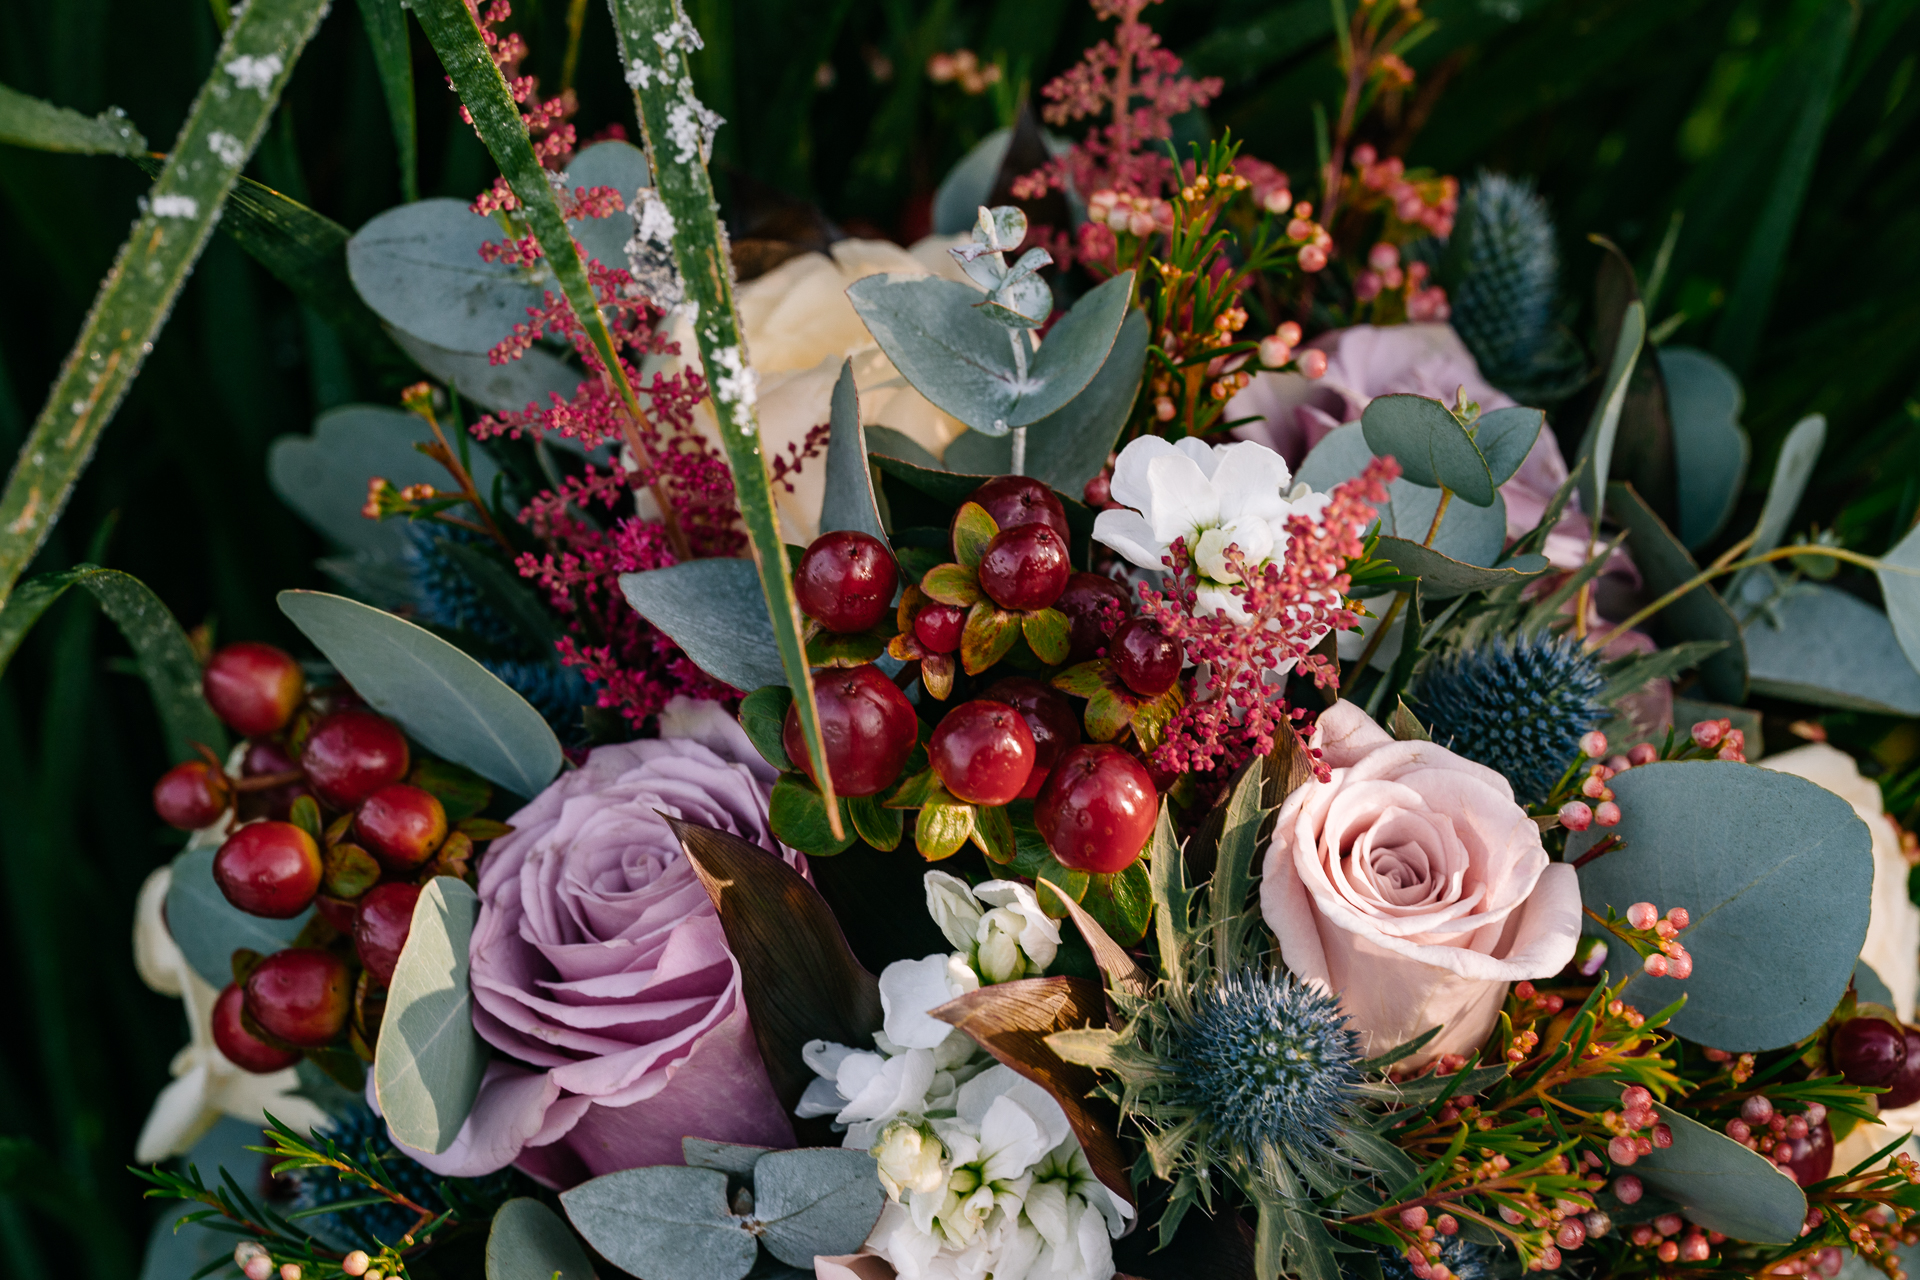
447, 595
558, 693
1267, 1060
362, 1137
1466, 1260
1502, 301
1518, 706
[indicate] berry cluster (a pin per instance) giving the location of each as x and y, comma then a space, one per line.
323, 816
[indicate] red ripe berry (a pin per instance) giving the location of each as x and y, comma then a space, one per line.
1050, 717
241, 1047
300, 995
255, 688
846, 581
191, 795
1903, 1086
1867, 1051
866, 725
353, 753
401, 825
938, 626
1097, 810
381, 926
983, 752
269, 869
1810, 1159
1025, 567
1092, 603
1016, 500
267, 756
1146, 658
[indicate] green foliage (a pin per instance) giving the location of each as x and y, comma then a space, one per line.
428, 1063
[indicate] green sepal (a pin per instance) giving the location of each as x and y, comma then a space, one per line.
973, 529
348, 871
952, 584
942, 828
878, 825
993, 833
305, 815
797, 812
460, 791
832, 649
920, 786
990, 635
1048, 634
763, 715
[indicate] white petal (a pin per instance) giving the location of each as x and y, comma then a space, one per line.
823, 1057
1040, 936
180, 1117
1129, 533
1215, 598
908, 988
822, 1098
1204, 455
1181, 499
1250, 478
1129, 485
953, 907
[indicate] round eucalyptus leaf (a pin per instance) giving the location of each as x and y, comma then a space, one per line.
419, 267
528, 1241
1754, 856
714, 611
207, 928
428, 1063
619, 165
1831, 648
1505, 437
821, 1200
1429, 443
1710, 451
1472, 535
665, 1222
1722, 1185
1899, 576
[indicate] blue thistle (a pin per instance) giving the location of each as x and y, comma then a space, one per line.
362, 1138
1507, 271
1518, 706
447, 596
1267, 1060
556, 692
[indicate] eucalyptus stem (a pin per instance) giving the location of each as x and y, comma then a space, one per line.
655, 38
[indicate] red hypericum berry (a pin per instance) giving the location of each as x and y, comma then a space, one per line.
381, 926
241, 1047
1903, 1086
1097, 809
1056, 729
267, 756
938, 626
269, 869
1094, 604
867, 727
1867, 1051
191, 795
353, 753
400, 825
846, 581
1146, 659
1016, 500
300, 995
1809, 1159
1025, 568
254, 688
982, 752
338, 912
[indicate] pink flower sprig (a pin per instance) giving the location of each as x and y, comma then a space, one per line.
1139, 86
1291, 604
546, 121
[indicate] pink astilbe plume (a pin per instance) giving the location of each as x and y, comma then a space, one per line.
1291, 605
1139, 86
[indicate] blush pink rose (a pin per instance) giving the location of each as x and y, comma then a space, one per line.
1413, 887
601, 972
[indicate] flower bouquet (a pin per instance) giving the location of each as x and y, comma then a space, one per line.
1108, 742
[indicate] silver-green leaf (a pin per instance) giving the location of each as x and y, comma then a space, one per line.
819, 1200
419, 267
1710, 451
428, 1064
849, 502
1722, 1185
713, 610
528, 1241
207, 928
665, 1222
1430, 445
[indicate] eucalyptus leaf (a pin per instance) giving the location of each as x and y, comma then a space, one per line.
819, 1201
1721, 1185
849, 502
728, 1157
1505, 437
1741, 848
1596, 448
1429, 443
971, 181
1830, 648
323, 476
528, 1241
886, 442
1868, 986
451, 704
667, 1222
1790, 475
1899, 575
207, 928
504, 388
962, 361
1472, 535
1710, 450
619, 165
429, 1060
1701, 614
419, 267
1442, 576
713, 610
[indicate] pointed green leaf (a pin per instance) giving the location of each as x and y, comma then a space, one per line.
1831, 648
419, 267
528, 1241
1710, 451
798, 814
849, 502
1442, 577
666, 1222
728, 1157
1505, 437
1791, 472
1430, 445
990, 634
386, 23
1899, 575
428, 1064
763, 714
1121, 902
29, 122
1596, 449
952, 584
973, 529
941, 829
878, 825
1172, 904
1233, 868
1048, 634
1469, 534
993, 832
1701, 614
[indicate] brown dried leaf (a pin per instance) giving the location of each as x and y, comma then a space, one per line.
1121, 969
936, 675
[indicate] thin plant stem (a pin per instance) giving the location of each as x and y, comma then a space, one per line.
462, 477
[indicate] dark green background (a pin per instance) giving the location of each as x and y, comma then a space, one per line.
1624, 110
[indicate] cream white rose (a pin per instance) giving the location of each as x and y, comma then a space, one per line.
1413, 887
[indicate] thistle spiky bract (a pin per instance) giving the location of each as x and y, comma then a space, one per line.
1515, 704
446, 594
1507, 272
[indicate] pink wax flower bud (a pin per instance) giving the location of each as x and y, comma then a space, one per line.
1635, 1098
1289, 333
1313, 363
1607, 813
1679, 916
1572, 1234
1662, 1137
1275, 351
1414, 1218
1594, 744
1575, 816
1367, 285
1737, 1129
1656, 966
1277, 201
1757, 1109
1641, 915
1313, 258
1627, 1189
1619, 764
1707, 733
1623, 1150
1382, 256
1694, 1248
1644, 753
1680, 962
1364, 155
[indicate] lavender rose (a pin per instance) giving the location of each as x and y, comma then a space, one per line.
600, 964
1411, 885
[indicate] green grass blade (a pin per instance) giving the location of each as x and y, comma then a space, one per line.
252, 67
29, 122
700, 250
386, 23
160, 647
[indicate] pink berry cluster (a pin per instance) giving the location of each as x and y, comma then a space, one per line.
256, 1263
1385, 280
1801, 1144
1670, 960
1423, 1256
1635, 1128
1671, 1237
1596, 806
1425, 205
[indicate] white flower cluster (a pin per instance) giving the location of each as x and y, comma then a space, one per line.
983, 1174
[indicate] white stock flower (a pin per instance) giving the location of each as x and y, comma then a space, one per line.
1213, 496
911, 1158
908, 988
1013, 939
951, 903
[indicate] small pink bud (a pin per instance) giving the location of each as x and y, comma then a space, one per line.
1627, 1189
1707, 733
1757, 1109
1572, 1234
1635, 1098
1737, 1129
1275, 351
1414, 1218
246, 1251
1668, 1224
1816, 1112
1662, 1137
1446, 1224
1679, 916
1512, 1217
356, 1263
1641, 915
1364, 155
1289, 333
1594, 744
1140, 224
1735, 738
1607, 813
1643, 1145
1644, 753
1694, 1248
1367, 285
289, 1271
1277, 201
1680, 963
1312, 363
1797, 1128
1575, 816
258, 1268
1619, 764
1621, 1150
1597, 1223
1549, 1258
1831, 1260
1783, 1154
1594, 787
1383, 256
1312, 258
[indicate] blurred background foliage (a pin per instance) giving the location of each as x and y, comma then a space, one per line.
1781, 133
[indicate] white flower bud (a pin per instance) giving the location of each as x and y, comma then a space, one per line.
911, 1159
953, 907
999, 956
1039, 935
